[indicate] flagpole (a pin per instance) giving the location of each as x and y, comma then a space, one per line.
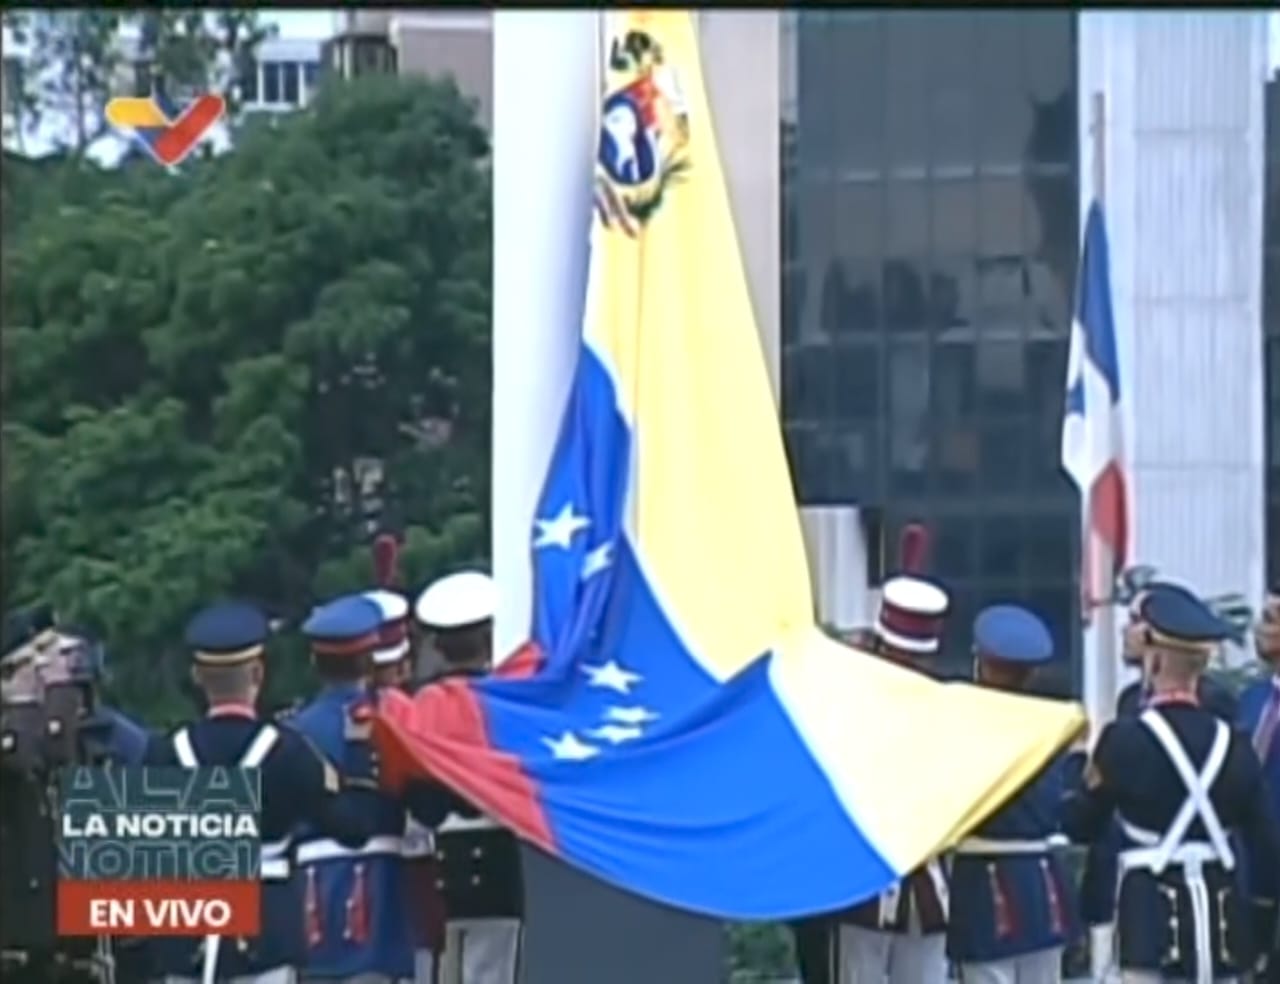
545, 100
1101, 665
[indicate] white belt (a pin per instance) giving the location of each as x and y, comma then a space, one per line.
330, 850
274, 869
274, 860
1191, 857
999, 847
454, 824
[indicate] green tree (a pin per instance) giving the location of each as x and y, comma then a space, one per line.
71, 63
77, 59
226, 381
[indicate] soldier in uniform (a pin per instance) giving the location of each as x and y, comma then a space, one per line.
900, 937
1181, 783
390, 661
1260, 719
356, 925
479, 860
299, 785
1018, 913
1102, 861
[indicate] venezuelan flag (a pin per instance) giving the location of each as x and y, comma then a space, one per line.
679, 725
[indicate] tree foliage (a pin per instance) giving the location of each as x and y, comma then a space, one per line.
76, 60
224, 381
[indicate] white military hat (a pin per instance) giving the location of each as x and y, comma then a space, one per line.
393, 631
459, 599
911, 611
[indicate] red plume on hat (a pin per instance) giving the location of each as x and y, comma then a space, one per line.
913, 549
386, 561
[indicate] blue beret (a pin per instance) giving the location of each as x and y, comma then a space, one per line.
347, 625
1179, 619
227, 632
1012, 634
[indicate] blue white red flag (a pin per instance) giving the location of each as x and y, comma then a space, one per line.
1092, 428
679, 724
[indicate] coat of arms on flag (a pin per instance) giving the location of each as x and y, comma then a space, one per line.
644, 132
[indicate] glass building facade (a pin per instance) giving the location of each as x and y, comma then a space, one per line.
1271, 324
929, 246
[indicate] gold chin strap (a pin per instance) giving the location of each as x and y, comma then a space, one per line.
208, 658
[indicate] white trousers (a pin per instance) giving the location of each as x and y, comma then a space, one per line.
871, 957
480, 951
281, 975
424, 967
1041, 967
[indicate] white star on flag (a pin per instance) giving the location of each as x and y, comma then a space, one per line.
569, 746
597, 560
630, 715
560, 530
613, 676
616, 734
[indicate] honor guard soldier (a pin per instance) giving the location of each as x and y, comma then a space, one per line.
900, 937
356, 925
479, 860
1182, 784
1017, 913
1101, 869
390, 661
299, 785
1260, 719
423, 905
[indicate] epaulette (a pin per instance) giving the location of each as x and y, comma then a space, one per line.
358, 724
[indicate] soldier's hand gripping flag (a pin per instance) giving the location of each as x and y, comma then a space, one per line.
679, 725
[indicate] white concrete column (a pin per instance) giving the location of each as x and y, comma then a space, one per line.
1184, 199
546, 93
746, 106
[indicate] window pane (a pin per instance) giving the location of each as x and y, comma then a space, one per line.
1000, 376
952, 93
1050, 546
954, 549
856, 381
819, 89
908, 373
1000, 212
907, 104
1005, 120
953, 384
857, 45
955, 217
271, 82
858, 208
1001, 548
907, 232
905, 300
850, 302
953, 290
311, 74
1004, 448
795, 283
806, 383
289, 75
1049, 66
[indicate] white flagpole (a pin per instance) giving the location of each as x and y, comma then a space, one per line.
545, 101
